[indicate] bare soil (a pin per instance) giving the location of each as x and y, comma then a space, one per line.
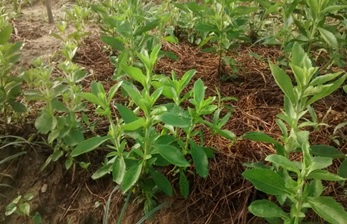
73, 197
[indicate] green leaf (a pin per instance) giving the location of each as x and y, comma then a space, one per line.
184, 185
314, 188
175, 119
327, 90
267, 181
200, 159
284, 162
102, 171
326, 151
266, 209
149, 26
68, 163
73, 137
18, 107
114, 42
328, 37
135, 73
283, 81
172, 155
134, 94
199, 93
132, 126
154, 54
299, 57
10, 209
118, 170
88, 145
320, 163
37, 219
92, 98
259, 137
24, 208
330, 210
131, 176
127, 115
324, 175
342, 171
5, 33
324, 78
162, 182
45, 123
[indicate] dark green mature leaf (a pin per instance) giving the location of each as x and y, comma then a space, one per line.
284, 162
149, 26
200, 159
283, 81
267, 181
132, 126
172, 155
342, 171
88, 145
199, 92
259, 137
184, 185
131, 176
266, 209
330, 210
326, 151
175, 119
114, 42
5, 34
135, 73
17, 106
126, 114
134, 95
162, 182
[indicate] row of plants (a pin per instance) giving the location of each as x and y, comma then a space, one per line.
154, 122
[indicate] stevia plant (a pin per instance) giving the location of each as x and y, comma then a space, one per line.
147, 137
316, 24
126, 28
10, 82
221, 23
62, 115
298, 184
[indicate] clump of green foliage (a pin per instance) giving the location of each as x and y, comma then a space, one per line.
298, 185
146, 137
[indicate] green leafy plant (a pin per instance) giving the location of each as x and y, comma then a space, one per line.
20, 205
220, 22
126, 27
297, 185
146, 137
316, 24
10, 83
60, 116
